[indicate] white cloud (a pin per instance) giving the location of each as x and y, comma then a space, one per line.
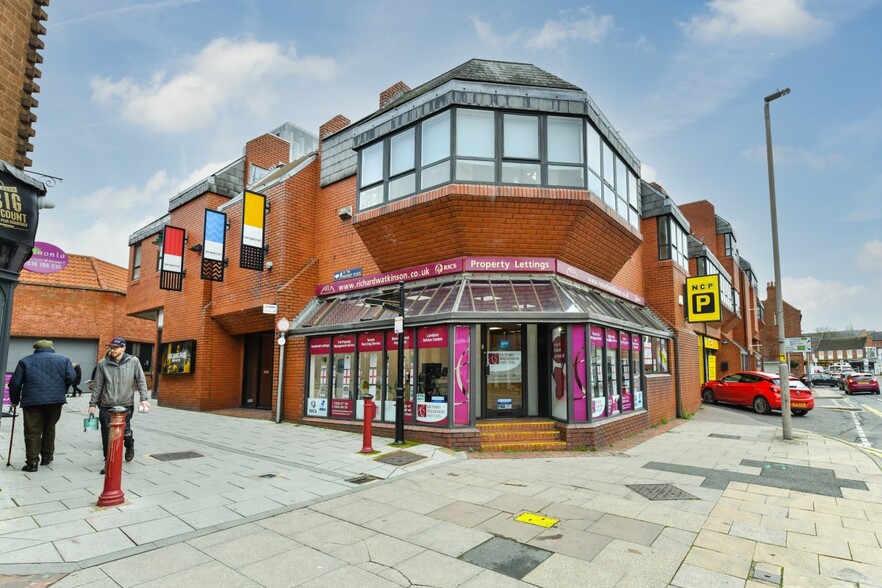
571, 25
579, 25
870, 256
828, 303
789, 155
866, 203
227, 76
105, 218
735, 19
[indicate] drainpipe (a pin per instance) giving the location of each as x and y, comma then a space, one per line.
678, 394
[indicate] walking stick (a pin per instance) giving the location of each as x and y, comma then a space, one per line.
11, 437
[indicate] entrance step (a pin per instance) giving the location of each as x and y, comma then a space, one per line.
520, 435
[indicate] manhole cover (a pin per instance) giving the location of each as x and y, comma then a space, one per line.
363, 479
505, 556
176, 456
400, 458
661, 492
718, 436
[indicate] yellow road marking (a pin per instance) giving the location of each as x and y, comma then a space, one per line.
876, 412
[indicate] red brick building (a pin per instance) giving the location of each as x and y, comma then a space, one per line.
79, 308
541, 277
792, 328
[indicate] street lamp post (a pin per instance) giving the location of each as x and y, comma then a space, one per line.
783, 372
399, 388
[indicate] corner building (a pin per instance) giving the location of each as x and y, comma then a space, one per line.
504, 209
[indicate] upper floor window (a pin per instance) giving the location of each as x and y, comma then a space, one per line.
136, 262
672, 242
730, 245
488, 146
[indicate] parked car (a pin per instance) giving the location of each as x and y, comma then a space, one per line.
861, 383
823, 379
761, 390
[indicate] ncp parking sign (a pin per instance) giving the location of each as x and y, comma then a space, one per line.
703, 299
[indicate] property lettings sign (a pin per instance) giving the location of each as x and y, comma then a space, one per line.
703, 299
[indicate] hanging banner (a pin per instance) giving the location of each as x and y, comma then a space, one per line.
171, 275
253, 221
215, 236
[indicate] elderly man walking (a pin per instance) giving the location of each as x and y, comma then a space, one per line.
40, 384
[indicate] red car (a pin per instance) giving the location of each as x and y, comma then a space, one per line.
761, 390
861, 383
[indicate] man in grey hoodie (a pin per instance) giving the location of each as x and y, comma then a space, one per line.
117, 378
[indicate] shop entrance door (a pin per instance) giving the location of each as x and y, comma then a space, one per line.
504, 372
257, 385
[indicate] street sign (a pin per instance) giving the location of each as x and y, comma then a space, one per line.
703, 299
798, 345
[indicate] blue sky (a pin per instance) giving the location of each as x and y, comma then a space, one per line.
140, 99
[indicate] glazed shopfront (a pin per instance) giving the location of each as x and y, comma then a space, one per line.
484, 338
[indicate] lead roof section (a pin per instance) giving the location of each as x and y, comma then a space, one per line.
477, 83
657, 203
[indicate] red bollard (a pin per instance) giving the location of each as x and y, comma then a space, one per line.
369, 410
113, 493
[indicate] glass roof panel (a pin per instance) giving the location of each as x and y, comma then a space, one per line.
483, 297
526, 296
345, 311
505, 296
438, 298
548, 297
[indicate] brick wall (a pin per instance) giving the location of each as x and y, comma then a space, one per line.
19, 45
266, 151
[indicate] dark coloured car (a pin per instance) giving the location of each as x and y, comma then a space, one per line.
824, 379
761, 390
861, 383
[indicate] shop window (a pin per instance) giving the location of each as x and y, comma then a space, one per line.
637, 366
342, 402
433, 379
598, 393
388, 396
559, 373
611, 372
317, 393
627, 375
655, 355
370, 370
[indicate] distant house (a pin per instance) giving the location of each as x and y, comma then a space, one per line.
855, 347
79, 308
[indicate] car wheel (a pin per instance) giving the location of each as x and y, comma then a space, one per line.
761, 405
707, 396
800, 412
848, 392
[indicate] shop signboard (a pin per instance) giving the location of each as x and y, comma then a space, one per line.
46, 259
580, 375
461, 388
317, 407
342, 408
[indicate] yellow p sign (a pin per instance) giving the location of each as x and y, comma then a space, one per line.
703, 299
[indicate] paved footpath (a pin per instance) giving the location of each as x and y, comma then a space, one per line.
704, 503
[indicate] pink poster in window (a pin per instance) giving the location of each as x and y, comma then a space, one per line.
580, 389
461, 386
